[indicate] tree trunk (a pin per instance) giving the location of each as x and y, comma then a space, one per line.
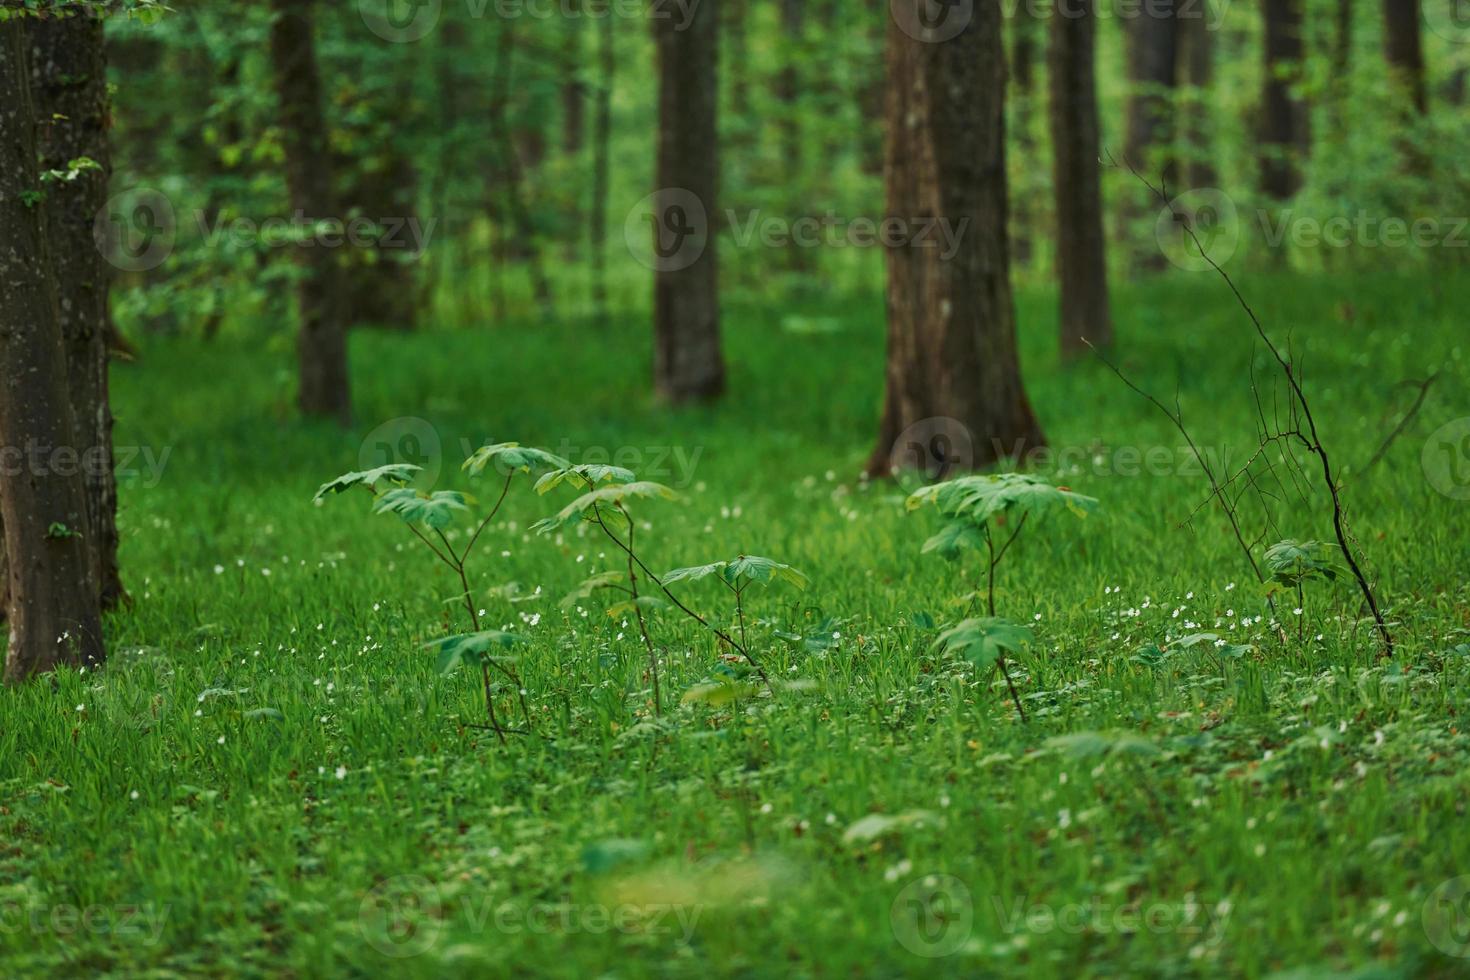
1153, 39
322, 337
54, 614
1026, 30
688, 363
1197, 71
1076, 180
573, 91
951, 320
69, 86
601, 168
1283, 116
1402, 48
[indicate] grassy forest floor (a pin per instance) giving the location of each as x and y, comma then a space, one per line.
271, 777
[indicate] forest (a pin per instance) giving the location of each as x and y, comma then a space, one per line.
652, 488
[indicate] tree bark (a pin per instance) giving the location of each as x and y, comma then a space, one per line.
1026, 30
54, 614
601, 167
1152, 42
951, 319
1076, 180
321, 306
688, 363
69, 88
1402, 48
1197, 71
1283, 116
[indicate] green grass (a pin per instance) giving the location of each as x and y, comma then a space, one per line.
1302, 805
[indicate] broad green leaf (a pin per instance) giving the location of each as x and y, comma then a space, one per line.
604, 501
978, 498
1293, 562
435, 510
719, 693
584, 475
984, 641
512, 457
954, 537
750, 568
602, 580
648, 603
397, 474
471, 648
1085, 745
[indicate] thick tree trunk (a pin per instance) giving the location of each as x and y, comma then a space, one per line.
1402, 48
54, 615
601, 167
69, 86
1026, 37
1076, 180
688, 363
1283, 115
322, 337
951, 320
1197, 72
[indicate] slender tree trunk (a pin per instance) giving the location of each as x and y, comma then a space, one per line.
1402, 48
322, 337
601, 166
951, 320
790, 86
573, 89
1152, 41
688, 363
1076, 180
1283, 115
54, 613
69, 87
1197, 71
1026, 32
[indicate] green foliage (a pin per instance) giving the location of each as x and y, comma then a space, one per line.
739, 572
512, 457
584, 475
1294, 562
433, 510
979, 498
396, 474
472, 649
605, 504
984, 641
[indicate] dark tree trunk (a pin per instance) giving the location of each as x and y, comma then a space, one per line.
1197, 72
69, 86
601, 167
1402, 48
688, 363
54, 614
736, 32
1283, 115
573, 91
951, 320
516, 151
322, 337
1152, 41
1076, 180
789, 84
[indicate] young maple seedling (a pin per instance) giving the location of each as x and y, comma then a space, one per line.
975, 510
427, 515
1292, 563
606, 507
